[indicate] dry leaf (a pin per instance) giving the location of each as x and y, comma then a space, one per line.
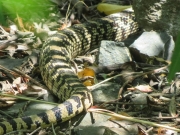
7, 104
89, 82
5, 86
87, 74
63, 26
117, 118
141, 131
110, 8
21, 87
161, 131
20, 23
172, 107
142, 88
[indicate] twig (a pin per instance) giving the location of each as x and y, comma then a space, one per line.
130, 73
31, 79
34, 131
119, 94
92, 87
110, 113
16, 71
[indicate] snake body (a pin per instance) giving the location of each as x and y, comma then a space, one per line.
57, 74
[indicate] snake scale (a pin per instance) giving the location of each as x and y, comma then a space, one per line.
54, 64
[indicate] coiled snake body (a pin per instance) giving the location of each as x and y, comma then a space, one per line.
57, 74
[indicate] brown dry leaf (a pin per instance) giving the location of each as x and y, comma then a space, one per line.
75, 22
21, 87
26, 80
20, 23
97, 107
161, 131
3, 53
65, 25
88, 75
19, 84
7, 29
142, 88
141, 131
117, 118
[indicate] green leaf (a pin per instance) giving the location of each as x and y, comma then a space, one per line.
2, 19
27, 9
175, 60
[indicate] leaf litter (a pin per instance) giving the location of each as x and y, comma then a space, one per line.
144, 92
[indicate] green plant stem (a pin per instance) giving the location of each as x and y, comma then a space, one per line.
26, 98
175, 60
2, 19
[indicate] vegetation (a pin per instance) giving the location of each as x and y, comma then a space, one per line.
175, 61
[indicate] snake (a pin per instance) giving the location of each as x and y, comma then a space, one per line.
57, 74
